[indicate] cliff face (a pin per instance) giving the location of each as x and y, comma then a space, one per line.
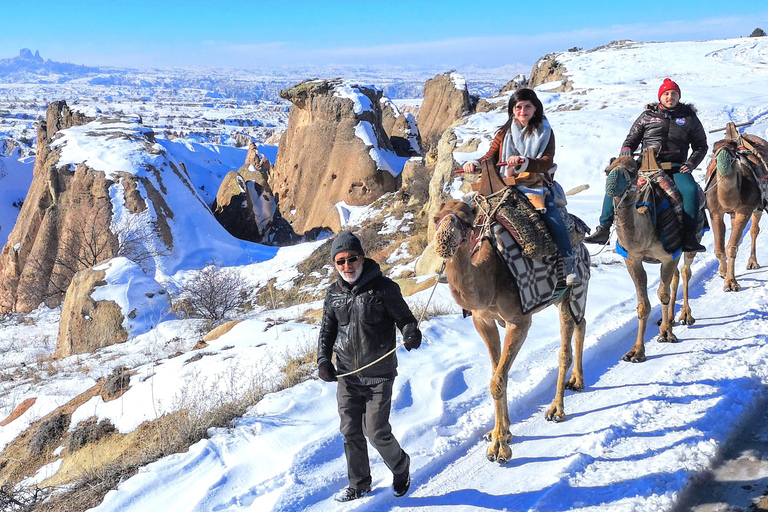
446, 99
334, 149
46, 240
244, 204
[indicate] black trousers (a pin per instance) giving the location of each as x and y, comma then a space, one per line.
364, 412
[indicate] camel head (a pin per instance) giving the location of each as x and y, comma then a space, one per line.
728, 154
622, 174
454, 223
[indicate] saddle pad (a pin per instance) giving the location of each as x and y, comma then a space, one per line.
514, 211
537, 278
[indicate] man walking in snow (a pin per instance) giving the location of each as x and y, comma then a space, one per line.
360, 313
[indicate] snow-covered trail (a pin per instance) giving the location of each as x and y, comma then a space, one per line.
632, 440
637, 434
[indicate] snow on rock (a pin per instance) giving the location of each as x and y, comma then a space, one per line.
142, 300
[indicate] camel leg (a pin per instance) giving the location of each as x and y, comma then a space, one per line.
674, 287
686, 318
514, 337
718, 230
556, 411
500, 432
640, 278
576, 383
668, 270
754, 231
738, 223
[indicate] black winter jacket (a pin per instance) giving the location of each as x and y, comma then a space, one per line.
670, 133
359, 323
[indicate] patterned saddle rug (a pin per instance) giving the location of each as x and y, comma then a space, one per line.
540, 279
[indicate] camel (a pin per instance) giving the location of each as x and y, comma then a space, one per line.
638, 236
482, 284
733, 189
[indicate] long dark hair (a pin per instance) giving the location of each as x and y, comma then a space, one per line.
538, 116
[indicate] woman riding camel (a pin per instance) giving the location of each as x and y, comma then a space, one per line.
670, 127
526, 143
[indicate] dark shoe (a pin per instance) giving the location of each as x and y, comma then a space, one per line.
690, 244
401, 483
351, 493
600, 236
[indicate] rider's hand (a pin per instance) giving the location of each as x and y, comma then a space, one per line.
515, 160
470, 167
686, 168
625, 152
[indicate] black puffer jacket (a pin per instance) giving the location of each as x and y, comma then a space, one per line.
670, 133
359, 323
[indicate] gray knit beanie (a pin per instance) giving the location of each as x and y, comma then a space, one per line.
346, 241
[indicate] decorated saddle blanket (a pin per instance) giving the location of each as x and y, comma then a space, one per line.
518, 233
657, 192
515, 212
537, 279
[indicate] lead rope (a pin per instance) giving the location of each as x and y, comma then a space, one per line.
423, 312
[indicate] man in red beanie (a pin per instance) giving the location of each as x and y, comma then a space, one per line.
671, 128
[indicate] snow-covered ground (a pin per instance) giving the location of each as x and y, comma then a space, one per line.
633, 439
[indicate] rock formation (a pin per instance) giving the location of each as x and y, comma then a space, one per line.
104, 188
107, 304
446, 99
401, 129
34, 262
547, 69
334, 149
244, 204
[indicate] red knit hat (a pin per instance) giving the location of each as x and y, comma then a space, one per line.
668, 85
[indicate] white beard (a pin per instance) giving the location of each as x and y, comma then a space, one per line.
354, 278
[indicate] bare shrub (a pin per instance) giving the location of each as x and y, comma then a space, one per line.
50, 431
20, 499
758, 32
88, 432
215, 292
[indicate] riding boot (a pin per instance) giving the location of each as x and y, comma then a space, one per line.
600, 236
690, 244
572, 276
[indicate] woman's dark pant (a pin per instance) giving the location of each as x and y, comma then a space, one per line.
364, 412
557, 227
688, 189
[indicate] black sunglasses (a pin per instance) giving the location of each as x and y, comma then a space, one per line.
341, 261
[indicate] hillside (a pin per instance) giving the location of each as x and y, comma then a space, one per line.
635, 439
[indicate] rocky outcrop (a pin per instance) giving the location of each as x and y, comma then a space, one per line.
108, 304
549, 70
101, 188
446, 99
87, 324
34, 264
334, 149
401, 129
244, 203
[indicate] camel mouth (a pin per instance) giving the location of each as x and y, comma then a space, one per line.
617, 182
448, 237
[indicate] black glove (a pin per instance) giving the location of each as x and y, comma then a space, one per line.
326, 371
625, 152
411, 337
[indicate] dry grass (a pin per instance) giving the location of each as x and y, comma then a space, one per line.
97, 457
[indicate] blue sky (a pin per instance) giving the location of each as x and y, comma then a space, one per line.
433, 34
